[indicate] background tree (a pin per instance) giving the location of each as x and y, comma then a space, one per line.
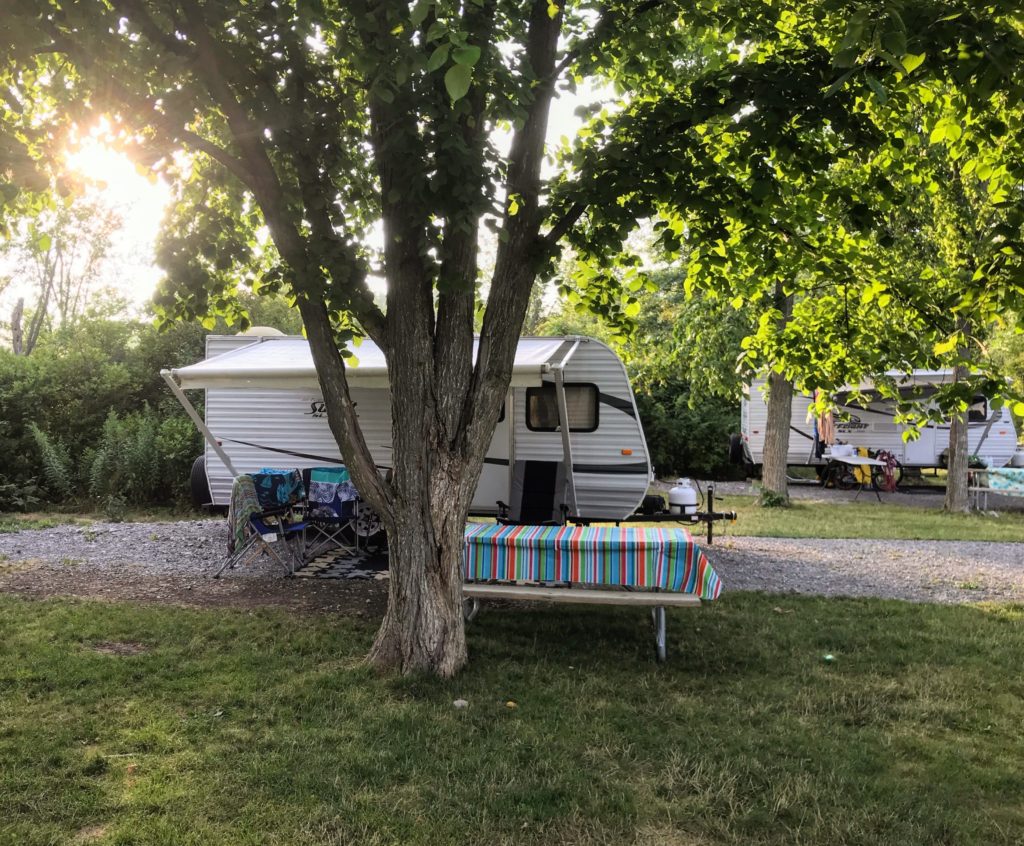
789, 191
60, 256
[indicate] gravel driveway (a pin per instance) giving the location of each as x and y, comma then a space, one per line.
173, 562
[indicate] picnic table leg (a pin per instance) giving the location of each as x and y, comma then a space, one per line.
658, 615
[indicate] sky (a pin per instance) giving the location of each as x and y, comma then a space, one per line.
141, 201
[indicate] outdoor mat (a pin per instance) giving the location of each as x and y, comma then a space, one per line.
339, 564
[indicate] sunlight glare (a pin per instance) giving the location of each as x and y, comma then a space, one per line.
110, 177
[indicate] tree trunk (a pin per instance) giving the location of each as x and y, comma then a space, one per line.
17, 335
780, 406
435, 474
776, 436
956, 467
423, 629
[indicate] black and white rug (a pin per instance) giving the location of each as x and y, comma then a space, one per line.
341, 564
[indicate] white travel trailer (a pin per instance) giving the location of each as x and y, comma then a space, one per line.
872, 423
264, 408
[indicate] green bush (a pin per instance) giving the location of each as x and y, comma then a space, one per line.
686, 441
142, 460
19, 496
56, 406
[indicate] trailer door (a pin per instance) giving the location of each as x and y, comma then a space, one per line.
924, 452
495, 478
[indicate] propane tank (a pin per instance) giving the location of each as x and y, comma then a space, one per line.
682, 499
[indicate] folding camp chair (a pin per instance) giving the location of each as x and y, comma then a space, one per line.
331, 512
258, 530
538, 495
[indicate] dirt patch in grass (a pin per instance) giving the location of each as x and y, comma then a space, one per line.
90, 834
119, 647
360, 599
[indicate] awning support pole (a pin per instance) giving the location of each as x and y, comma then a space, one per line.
563, 424
200, 423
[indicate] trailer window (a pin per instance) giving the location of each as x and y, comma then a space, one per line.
977, 412
580, 403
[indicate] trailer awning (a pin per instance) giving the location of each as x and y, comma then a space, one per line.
287, 363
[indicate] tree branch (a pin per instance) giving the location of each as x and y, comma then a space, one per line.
566, 222
136, 12
604, 24
521, 250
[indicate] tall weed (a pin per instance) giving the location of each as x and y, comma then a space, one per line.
56, 464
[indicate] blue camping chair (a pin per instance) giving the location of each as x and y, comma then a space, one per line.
262, 525
331, 512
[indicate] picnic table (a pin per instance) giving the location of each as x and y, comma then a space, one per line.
653, 567
834, 462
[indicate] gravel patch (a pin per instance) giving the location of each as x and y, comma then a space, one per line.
918, 571
175, 561
189, 548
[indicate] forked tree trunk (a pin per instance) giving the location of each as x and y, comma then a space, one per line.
423, 630
956, 469
776, 435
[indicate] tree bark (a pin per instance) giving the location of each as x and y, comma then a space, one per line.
780, 405
776, 436
956, 467
17, 334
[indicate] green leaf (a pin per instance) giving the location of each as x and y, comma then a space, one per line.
912, 61
839, 83
877, 87
466, 56
945, 130
44, 242
438, 58
513, 207
553, 10
846, 58
895, 42
1018, 409
943, 347
420, 12
457, 81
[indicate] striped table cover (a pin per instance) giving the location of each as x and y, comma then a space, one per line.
637, 557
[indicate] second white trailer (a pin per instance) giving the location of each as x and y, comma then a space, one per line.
991, 433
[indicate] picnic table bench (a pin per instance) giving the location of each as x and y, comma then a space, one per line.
1004, 481
650, 567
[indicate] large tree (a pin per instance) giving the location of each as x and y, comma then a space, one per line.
320, 120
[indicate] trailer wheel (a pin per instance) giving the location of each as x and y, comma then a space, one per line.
736, 455
199, 484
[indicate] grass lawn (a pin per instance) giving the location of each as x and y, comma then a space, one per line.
230, 727
19, 522
866, 519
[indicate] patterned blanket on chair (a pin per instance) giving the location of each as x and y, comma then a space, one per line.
244, 503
